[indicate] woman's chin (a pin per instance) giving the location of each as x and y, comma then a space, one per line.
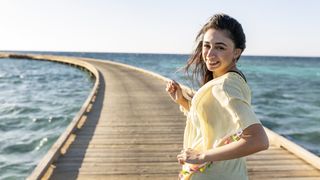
213, 68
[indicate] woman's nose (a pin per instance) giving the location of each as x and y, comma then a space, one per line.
211, 53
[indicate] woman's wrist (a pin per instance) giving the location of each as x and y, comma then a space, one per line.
180, 100
184, 102
203, 157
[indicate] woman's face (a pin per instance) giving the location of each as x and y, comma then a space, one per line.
218, 52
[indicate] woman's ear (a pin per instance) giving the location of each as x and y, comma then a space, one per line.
237, 53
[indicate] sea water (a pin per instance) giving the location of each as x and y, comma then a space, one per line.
38, 99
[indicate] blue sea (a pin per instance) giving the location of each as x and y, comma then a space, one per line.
38, 99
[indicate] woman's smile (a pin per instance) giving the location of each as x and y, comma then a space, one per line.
213, 64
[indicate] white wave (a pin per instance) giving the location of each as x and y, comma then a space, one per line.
42, 142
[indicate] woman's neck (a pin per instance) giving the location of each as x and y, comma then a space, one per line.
218, 74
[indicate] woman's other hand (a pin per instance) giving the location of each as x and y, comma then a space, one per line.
174, 90
191, 156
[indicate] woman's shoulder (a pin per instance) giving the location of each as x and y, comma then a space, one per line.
232, 85
231, 77
239, 73
234, 80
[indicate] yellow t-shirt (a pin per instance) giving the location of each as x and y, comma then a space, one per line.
220, 108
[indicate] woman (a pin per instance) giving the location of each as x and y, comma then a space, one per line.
221, 127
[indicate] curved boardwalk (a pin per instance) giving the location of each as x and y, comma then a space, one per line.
135, 131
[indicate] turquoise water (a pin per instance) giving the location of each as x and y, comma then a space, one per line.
38, 100
286, 97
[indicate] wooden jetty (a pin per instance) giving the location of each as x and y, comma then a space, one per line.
128, 128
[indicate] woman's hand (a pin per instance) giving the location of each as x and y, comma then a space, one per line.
191, 156
174, 90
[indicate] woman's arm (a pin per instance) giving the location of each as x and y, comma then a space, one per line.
253, 139
184, 103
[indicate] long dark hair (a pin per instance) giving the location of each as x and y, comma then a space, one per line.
223, 22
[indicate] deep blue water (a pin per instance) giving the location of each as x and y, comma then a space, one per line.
286, 98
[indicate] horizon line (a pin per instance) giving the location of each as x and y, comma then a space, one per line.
163, 53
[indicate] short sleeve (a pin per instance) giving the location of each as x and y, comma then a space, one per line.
242, 112
235, 98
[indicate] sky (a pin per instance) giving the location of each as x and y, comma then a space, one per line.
272, 27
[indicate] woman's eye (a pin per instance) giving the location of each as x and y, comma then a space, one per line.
206, 46
219, 48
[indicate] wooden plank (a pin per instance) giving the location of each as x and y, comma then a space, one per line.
275, 162
299, 178
115, 154
130, 146
271, 152
67, 144
49, 172
89, 108
120, 169
291, 178
130, 136
271, 157
279, 174
137, 139
82, 121
153, 124
294, 148
119, 159
118, 177
276, 168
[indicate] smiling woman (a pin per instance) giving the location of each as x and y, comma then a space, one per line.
221, 127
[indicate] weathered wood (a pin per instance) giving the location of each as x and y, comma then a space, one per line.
294, 148
81, 176
67, 144
280, 174
82, 121
49, 172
